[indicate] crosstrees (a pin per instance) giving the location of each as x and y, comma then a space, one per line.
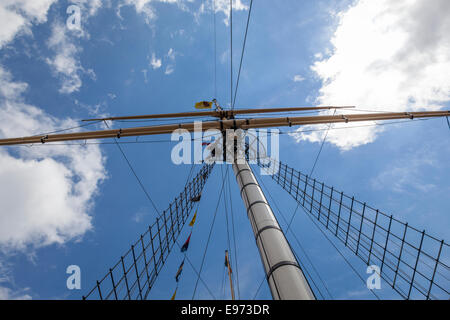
133, 276
244, 124
413, 262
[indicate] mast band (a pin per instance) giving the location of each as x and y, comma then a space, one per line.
280, 264
256, 202
239, 172
248, 184
265, 228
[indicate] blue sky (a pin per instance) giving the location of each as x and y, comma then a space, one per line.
64, 205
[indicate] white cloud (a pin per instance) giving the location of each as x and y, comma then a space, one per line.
224, 7
10, 90
407, 174
171, 57
145, 8
171, 54
141, 214
142, 7
8, 294
65, 63
144, 72
17, 17
11, 24
298, 78
178, 33
169, 70
89, 6
96, 109
386, 55
155, 63
46, 192
224, 56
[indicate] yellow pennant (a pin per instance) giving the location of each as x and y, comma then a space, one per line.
203, 105
175, 293
193, 219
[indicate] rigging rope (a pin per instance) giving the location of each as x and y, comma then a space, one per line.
307, 256
363, 241
226, 215
226, 212
185, 253
231, 53
190, 173
242, 55
135, 175
215, 50
67, 129
321, 147
197, 273
340, 253
185, 257
209, 238
139, 267
234, 237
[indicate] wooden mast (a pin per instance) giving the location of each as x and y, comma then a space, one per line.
227, 262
